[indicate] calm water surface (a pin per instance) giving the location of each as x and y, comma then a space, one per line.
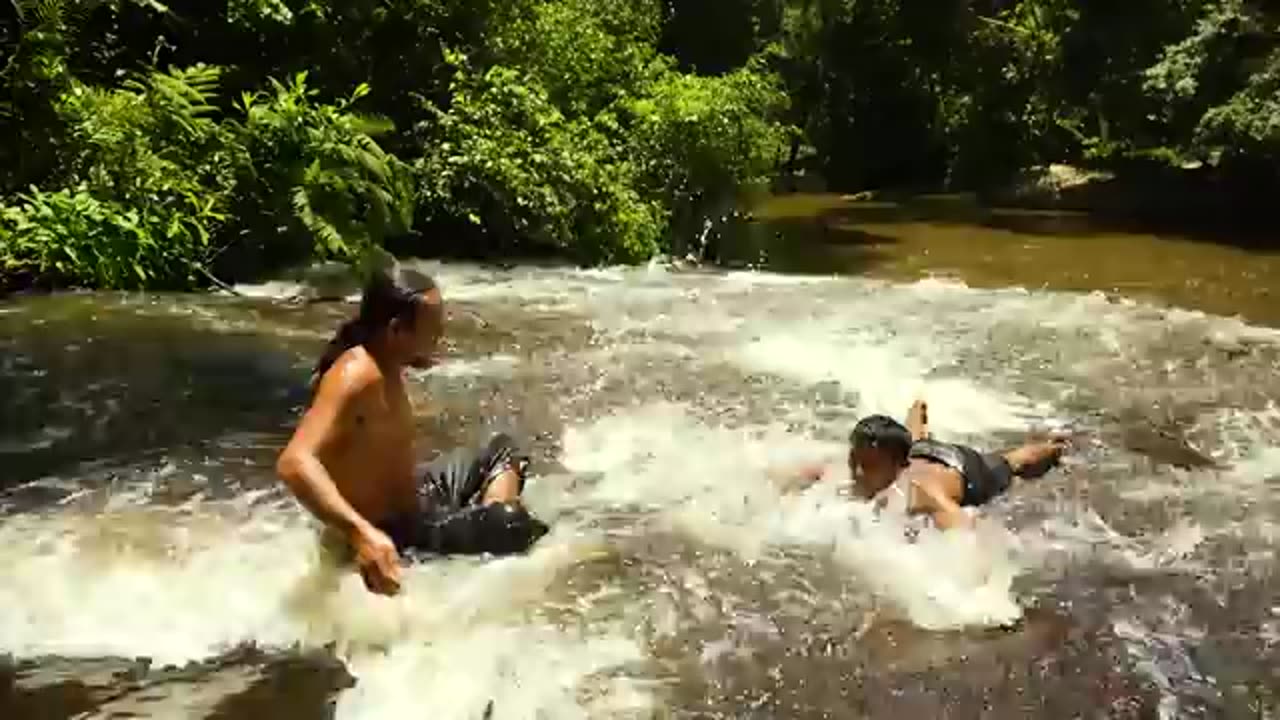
1034, 249
152, 568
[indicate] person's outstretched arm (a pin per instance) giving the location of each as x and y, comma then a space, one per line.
331, 416
795, 478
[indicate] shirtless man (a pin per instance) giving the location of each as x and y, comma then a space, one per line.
351, 460
903, 469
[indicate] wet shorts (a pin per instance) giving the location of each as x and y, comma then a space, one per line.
452, 519
985, 476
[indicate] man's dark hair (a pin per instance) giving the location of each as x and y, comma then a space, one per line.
389, 294
884, 433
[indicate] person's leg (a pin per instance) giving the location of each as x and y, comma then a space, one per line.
1035, 459
986, 477
504, 487
482, 512
503, 465
492, 473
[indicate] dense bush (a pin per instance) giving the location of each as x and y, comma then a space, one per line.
162, 145
156, 184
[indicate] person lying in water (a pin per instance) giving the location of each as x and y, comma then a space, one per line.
901, 468
351, 460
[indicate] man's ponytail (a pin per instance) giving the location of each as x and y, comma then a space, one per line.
389, 294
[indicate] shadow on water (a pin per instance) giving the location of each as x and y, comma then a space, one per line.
955, 236
966, 209
88, 379
813, 240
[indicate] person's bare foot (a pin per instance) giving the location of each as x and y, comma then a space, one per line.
918, 420
1037, 458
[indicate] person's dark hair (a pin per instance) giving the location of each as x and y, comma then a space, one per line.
884, 433
388, 295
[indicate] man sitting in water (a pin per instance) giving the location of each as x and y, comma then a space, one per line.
901, 468
351, 459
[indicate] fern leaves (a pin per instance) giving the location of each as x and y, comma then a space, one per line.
341, 185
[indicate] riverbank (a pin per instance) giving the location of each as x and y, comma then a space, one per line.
1196, 200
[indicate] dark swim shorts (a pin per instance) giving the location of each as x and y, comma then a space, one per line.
452, 519
986, 476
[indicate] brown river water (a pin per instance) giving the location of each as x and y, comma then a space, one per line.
152, 567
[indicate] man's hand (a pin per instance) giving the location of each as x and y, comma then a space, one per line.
795, 479
377, 559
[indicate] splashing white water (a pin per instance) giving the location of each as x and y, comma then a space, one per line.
184, 585
134, 578
718, 485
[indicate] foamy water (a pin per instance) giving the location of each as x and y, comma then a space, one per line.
674, 401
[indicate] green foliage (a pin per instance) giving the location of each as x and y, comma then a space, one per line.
1221, 84
164, 188
321, 163
702, 137
1248, 123
510, 163
606, 130
586, 139
585, 53
148, 175
250, 12
81, 240
153, 143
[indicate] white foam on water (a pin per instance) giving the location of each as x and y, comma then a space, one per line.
271, 290
520, 671
468, 634
1161, 649
497, 365
939, 580
1085, 536
460, 282
186, 584
750, 278
170, 585
887, 378
1249, 439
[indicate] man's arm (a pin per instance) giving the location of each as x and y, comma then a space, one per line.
323, 425
794, 479
343, 390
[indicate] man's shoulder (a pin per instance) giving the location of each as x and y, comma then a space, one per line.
354, 372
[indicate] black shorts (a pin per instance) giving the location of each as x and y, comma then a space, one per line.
985, 476
459, 478
451, 517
